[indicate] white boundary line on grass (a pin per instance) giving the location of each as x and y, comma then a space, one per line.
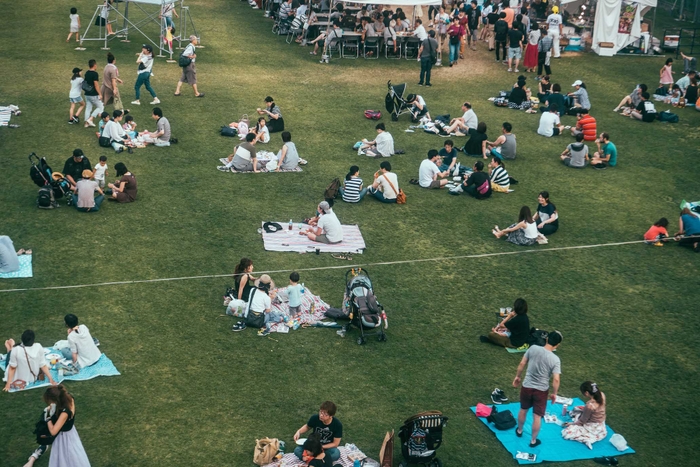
345, 266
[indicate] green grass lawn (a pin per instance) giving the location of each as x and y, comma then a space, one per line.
192, 393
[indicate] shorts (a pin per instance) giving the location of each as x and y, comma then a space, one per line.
567, 162
323, 239
189, 75
294, 310
515, 53
75, 100
556, 132
433, 185
534, 398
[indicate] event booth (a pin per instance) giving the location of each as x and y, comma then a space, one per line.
617, 23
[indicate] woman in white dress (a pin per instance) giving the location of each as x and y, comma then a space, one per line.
66, 450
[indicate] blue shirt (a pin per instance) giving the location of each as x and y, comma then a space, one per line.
294, 294
612, 150
691, 224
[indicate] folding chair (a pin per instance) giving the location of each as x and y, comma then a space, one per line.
389, 44
336, 45
292, 34
351, 44
411, 46
371, 45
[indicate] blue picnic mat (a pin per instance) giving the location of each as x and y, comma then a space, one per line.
25, 268
103, 367
554, 448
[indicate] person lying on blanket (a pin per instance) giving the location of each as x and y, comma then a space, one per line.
25, 362
327, 427
588, 426
328, 229
82, 349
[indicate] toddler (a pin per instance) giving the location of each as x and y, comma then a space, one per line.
104, 118
101, 171
294, 294
74, 96
74, 25
657, 232
130, 126
675, 96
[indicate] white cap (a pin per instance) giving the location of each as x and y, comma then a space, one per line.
578, 82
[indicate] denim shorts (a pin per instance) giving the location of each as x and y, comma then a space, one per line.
76, 100
514, 53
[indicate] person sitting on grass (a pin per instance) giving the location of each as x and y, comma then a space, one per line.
25, 362
633, 100
429, 172
546, 214
161, 137
352, 191
576, 154
381, 146
556, 98
586, 125
75, 166
418, 107
523, 233
580, 96
84, 198
82, 349
460, 126
500, 180
328, 229
448, 155
244, 157
505, 146
8, 255
313, 454
386, 184
116, 134
327, 427
514, 330
588, 426
689, 227
645, 111
288, 157
478, 185
272, 110
261, 132
476, 144
606, 155
261, 301
550, 125
125, 189
657, 232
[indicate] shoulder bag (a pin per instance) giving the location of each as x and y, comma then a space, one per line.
400, 195
254, 319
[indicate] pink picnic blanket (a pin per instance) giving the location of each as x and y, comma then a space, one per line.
286, 240
290, 460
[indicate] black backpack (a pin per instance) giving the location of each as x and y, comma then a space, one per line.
228, 131
502, 420
668, 117
537, 337
43, 435
332, 190
46, 199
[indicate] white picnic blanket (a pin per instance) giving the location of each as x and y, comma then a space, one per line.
286, 240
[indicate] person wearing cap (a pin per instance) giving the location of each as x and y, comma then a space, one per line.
145, 63
74, 167
189, 73
328, 229
260, 301
555, 25
84, 198
74, 96
581, 95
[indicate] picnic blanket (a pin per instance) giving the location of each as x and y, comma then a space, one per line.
25, 268
264, 157
290, 460
290, 240
554, 448
103, 367
6, 113
522, 349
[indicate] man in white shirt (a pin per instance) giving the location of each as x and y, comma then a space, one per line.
382, 146
25, 362
386, 184
189, 72
550, 125
83, 350
419, 31
114, 131
328, 229
556, 26
429, 175
465, 122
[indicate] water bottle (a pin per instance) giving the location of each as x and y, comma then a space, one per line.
356, 463
303, 289
563, 410
291, 225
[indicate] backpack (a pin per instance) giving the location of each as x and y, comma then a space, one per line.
265, 450
228, 131
333, 189
537, 337
43, 435
46, 198
668, 117
502, 420
373, 114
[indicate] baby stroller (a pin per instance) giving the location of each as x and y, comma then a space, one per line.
42, 175
394, 102
421, 436
362, 308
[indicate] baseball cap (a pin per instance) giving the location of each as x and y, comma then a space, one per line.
78, 153
555, 9
578, 82
77, 70
147, 47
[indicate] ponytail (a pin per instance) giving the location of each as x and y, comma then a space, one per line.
353, 170
592, 388
58, 395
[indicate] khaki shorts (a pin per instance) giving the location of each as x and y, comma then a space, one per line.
323, 239
189, 74
434, 185
499, 188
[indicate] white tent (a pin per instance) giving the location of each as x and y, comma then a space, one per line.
606, 27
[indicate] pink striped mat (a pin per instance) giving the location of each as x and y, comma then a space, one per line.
286, 240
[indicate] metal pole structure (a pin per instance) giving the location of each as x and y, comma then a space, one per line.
696, 17
651, 37
680, 10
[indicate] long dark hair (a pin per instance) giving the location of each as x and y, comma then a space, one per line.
525, 215
242, 266
271, 101
120, 168
592, 388
353, 170
75, 75
58, 395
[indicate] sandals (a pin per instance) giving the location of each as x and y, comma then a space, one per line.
22, 251
342, 256
413, 181
177, 94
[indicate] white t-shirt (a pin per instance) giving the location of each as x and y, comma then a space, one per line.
470, 119
147, 61
554, 20
113, 131
75, 88
387, 190
530, 230
547, 122
260, 302
420, 33
81, 343
105, 10
266, 135
426, 172
34, 360
189, 51
100, 171
385, 143
331, 227
243, 153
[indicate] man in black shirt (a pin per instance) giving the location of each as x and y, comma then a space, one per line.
477, 185
92, 94
645, 111
501, 31
326, 427
74, 166
515, 47
427, 54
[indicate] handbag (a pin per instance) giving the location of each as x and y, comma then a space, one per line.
86, 87
105, 142
400, 195
183, 61
254, 319
265, 450
41, 430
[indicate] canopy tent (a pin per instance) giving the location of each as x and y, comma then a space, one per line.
617, 22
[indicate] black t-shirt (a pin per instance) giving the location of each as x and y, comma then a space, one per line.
92, 78
474, 14
326, 432
325, 462
515, 36
519, 328
493, 17
517, 95
75, 169
648, 111
447, 156
501, 29
546, 87
473, 147
558, 100
545, 212
477, 179
691, 95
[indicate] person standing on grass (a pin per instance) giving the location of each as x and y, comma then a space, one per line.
67, 449
110, 90
189, 72
473, 16
74, 25
74, 96
93, 96
515, 47
145, 62
542, 365
666, 74
327, 427
501, 31
555, 25
544, 54
427, 54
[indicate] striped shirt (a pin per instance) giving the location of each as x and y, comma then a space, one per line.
499, 176
351, 192
545, 44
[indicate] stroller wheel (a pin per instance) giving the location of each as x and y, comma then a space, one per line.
360, 340
436, 463
381, 337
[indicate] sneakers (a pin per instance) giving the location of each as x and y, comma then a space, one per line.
498, 397
239, 326
510, 69
155, 101
88, 123
71, 121
136, 102
223, 168
264, 332
517, 71
457, 190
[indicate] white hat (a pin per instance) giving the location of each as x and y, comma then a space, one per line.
578, 82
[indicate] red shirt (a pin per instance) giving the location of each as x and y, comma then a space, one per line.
588, 125
653, 232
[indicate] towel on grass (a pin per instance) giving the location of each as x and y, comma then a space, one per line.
522, 349
290, 460
25, 268
554, 448
263, 157
103, 367
6, 113
286, 240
